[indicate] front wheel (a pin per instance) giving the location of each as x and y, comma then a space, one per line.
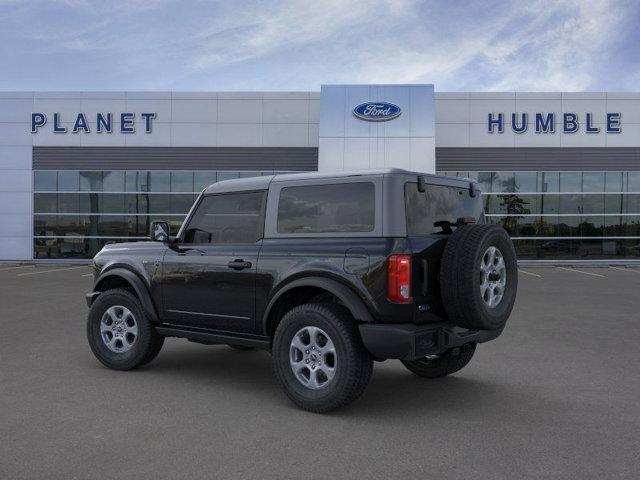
442, 365
319, 358
120, 334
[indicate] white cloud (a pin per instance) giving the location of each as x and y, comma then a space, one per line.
289, 44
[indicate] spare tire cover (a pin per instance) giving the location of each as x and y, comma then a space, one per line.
479, 277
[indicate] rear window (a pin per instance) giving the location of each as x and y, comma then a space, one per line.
343, 207
426, 210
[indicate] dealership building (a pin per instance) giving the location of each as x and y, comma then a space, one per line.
560, 171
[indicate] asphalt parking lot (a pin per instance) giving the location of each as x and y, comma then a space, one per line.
557, 396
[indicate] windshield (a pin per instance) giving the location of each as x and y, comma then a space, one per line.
438, 209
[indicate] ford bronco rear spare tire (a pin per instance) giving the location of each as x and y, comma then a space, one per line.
479, 277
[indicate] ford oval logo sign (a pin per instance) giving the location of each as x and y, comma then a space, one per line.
377, 111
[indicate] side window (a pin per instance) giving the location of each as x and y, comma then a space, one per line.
227, 218
343, 207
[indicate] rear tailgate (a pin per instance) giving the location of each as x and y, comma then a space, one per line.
432, 215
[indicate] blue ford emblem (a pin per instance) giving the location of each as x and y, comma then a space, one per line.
377, 111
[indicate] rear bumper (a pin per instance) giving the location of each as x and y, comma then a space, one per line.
406, 341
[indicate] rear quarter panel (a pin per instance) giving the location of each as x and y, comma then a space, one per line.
359, 263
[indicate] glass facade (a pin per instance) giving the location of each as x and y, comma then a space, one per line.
77, 212
549, 215
564, 215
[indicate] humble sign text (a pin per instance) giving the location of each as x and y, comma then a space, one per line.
551, 122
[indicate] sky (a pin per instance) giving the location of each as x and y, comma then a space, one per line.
532, 45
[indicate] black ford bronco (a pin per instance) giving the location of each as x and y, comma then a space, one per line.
327, 271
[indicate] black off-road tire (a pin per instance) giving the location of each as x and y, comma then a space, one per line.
241, 348
353, 363
446, 364
148, 342
460, 277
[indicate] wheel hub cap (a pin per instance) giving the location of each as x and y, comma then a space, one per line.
312, 357
118, 329
493, 277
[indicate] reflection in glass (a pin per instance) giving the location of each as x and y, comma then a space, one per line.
202, 180
113, 181
613, 182
158, 182
45, 181
549, 182
633, 182
570, 181
526, 182
503, 182
68, 181
593, 182
182, 181
91, 181
75, 212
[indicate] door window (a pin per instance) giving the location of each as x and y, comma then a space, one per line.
227, 218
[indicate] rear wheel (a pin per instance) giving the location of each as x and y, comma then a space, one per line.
119, 333
319, 358
442, 365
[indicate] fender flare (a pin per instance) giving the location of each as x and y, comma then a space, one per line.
346, 295
138, 285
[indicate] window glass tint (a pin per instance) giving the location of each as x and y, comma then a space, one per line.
437, 204
91, 181
633, 184
68, 181
503, 182
202, 180
526, 182
137, 181
45, 181
346, 207
593, 182
570, 182
513, 204
249, 174
113, 181
613, 182
181, 181
549, 182
159, 182
484, 179
228, 218
227, 175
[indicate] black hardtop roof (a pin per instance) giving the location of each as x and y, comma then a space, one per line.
262, 183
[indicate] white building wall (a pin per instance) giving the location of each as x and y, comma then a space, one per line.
290, 119
16, 195
461, 118
183, 119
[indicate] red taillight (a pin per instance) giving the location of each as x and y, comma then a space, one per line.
399, 278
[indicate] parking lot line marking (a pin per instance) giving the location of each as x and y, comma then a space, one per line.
581, 271
529, 273
14, 268
632, 270
88, 275
49, 271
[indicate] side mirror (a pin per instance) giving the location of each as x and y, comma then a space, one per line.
160, 232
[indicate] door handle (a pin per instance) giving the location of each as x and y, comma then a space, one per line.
239, 264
